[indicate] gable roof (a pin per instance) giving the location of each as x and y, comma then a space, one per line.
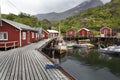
70, 29
18, 25
40, 29
52, 31
84, 29
105, 27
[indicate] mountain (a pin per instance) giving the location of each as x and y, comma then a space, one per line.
81, 7
94, 18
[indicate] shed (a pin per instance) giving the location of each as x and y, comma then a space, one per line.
16, 34
71, 32
84, 32
40, 33
105, 31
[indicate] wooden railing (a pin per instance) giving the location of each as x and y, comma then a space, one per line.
9, 44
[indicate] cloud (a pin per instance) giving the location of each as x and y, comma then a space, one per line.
38, 6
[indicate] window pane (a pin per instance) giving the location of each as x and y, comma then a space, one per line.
5, 35
0, 35
24, 35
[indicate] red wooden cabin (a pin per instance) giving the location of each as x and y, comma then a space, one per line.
105, 31
84, 32
71, 33
16, 34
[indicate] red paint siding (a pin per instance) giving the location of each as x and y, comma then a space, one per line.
13, 33
84, 33
24, 41
46, 35
32, 37
70, 32
106, 31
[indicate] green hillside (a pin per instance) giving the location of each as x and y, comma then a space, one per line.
93, 18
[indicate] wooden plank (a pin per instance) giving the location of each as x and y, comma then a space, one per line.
26, 63
31, 65
26, 68
17, 66
56, 72
36, 69
43, 62
5, 68
29, 68
14, 67
43, 72
8, 74
42, 66
23, 67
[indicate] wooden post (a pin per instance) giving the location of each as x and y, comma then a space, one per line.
14, 44
5, 47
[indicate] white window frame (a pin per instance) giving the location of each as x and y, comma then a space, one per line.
2, 35
24, 35
32, 34
36, 35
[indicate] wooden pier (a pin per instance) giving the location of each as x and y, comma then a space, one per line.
27, 63
105, 40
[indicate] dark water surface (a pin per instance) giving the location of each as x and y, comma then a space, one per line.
82, 71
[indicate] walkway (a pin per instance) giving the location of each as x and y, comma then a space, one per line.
26, 63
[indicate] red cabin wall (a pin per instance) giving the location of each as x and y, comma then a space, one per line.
13, 33
24, 41
46, 35
32, 39
29, 38
105, 31
84, 33
71, 32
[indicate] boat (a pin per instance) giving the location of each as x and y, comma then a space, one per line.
70, 45
60, 48
83, 45
110, 49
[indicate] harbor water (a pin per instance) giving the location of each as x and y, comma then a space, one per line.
82, 71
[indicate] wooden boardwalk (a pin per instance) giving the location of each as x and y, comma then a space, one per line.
26, 63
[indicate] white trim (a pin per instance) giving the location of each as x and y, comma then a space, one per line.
33, 35
105, 27
23, 35
3, 35
84, 29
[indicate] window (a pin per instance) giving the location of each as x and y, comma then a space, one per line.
70, 32
36, 35
24, 35
3, 36
83, 33
32, 34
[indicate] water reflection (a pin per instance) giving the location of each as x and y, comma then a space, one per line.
82, 71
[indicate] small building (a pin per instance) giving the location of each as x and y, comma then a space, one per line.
53, 33
105, 31
84, 32
71, 32
16, 34
45, 34
40, 33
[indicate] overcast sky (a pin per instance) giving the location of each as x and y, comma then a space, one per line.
38, 6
